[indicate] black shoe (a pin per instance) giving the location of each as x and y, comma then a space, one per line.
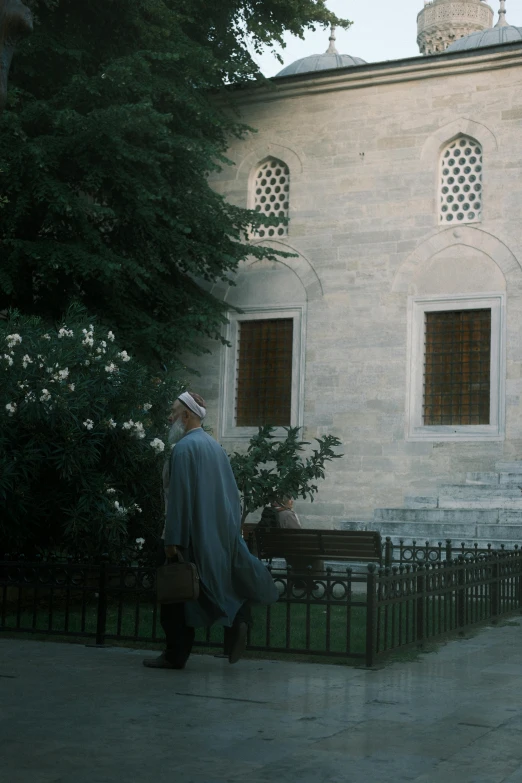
238, 642
163, 663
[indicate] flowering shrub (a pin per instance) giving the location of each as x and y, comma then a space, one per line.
82, 439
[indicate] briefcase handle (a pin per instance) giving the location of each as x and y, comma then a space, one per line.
178, 558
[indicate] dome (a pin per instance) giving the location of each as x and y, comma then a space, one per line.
493, 37
502, 33
322, 62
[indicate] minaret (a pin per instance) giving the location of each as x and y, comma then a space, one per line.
443, 21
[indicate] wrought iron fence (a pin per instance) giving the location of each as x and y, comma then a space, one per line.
419, 553
338, 614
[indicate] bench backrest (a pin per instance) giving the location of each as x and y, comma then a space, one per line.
355, 545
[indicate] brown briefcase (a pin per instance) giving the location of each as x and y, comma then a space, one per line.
177, 582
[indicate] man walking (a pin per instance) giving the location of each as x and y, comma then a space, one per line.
204, 521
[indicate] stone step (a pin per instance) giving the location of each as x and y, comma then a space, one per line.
421, 501
509, 480
466, 496
469, 491
509, 467
435, 532
447, 516
483, 478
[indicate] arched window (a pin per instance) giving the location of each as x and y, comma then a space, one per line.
461, 182
272, 193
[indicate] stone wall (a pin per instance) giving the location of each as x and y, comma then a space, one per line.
364, 168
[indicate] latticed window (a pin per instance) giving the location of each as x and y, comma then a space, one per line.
457, 367
272, 193
461, 182
264, 373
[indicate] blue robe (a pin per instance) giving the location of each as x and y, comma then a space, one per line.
204, 519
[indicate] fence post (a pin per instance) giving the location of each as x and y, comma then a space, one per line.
370, 615
519, 563
388, 552
461, 590
449, 554
495, 591
420, 603
101, 620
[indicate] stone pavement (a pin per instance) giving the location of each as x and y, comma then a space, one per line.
73, 714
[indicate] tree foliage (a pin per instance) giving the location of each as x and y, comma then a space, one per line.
80, 456
272, 469
111, 130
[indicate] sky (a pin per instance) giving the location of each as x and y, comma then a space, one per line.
381, 30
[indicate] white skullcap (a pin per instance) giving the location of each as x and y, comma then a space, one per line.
191, 403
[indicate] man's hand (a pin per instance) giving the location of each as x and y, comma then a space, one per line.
171, 551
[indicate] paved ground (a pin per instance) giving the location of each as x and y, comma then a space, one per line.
72, 714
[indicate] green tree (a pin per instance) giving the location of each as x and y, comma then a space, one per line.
272, 469
117, 113
82, 438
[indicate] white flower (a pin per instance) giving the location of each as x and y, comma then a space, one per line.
45, 396
111, 367
140, 542
86, 363
147, 406
12, 340
71, 386
97, 358
46, 336
88, 340
63, 374
26, 360
31, 397
138, 511
138, 430
11, 408
49, 369
22, 385
8, 359
124, 356
112, 423
103, 344
88, 424
111, 491
110, 336
157, 445
127, 425
119, 509
64, 332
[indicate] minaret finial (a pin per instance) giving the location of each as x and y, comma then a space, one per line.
502, 15
331, 49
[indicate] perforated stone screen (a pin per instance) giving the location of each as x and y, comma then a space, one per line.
461, 182
272, 191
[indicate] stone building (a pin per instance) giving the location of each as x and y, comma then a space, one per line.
397, 323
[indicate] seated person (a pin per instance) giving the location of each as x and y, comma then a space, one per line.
285, 514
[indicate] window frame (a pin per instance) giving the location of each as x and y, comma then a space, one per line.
228, 428
417, 307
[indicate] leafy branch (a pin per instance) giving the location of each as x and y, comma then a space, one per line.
272, 468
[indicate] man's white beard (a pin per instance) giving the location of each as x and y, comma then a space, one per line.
176, 432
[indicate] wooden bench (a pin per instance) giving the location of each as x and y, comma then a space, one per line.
310, 547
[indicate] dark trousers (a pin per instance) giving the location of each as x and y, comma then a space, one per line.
179, 636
